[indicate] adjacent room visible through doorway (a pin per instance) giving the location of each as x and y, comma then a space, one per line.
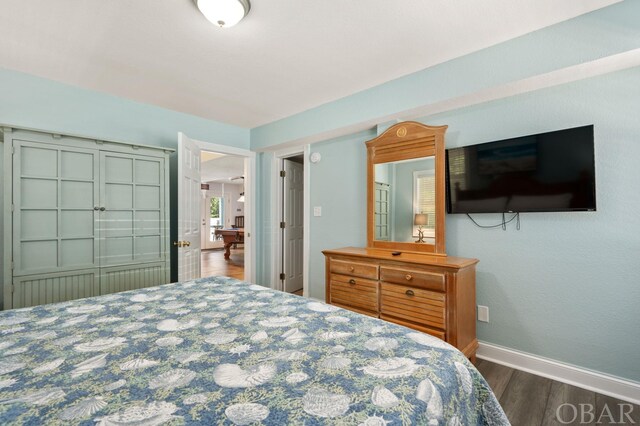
222, 215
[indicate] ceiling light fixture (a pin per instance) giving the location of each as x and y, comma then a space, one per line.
224, 13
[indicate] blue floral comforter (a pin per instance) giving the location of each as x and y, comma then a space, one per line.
220, 351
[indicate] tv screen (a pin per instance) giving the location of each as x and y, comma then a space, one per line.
547, 172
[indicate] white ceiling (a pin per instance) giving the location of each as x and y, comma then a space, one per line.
221, 168
285, 57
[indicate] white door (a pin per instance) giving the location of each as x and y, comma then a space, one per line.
189, 200
293, 230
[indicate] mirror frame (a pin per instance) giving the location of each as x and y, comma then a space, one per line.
403, 141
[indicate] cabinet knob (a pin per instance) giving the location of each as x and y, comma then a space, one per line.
408, 277
96, 208
409, 293
102, 209
351, 269
352, 281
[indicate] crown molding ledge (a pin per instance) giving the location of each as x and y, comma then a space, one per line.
595, 68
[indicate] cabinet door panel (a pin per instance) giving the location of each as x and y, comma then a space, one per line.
39, 193
117, 251
77, 165
117, 224
118, 168
77, 223
53, 288
148, 172
147, 197
55, 190
39, 255
118, 196
39, 161
133, 198
76, 195
148, 248
76, 252
39, 224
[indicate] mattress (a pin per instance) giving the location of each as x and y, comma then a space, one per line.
222, 351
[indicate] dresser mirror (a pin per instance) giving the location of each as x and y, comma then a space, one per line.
406, 189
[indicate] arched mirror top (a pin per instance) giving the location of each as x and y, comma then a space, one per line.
406, 189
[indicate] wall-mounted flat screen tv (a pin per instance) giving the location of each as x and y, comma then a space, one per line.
547, 172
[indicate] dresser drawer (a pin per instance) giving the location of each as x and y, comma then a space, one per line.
413, 304
354, 269
432, 331
423, 279
352, 291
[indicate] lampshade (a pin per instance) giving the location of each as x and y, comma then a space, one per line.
224, 13
421, 219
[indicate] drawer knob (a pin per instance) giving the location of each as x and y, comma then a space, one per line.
409, 293
351, 269
408, 277
352, 281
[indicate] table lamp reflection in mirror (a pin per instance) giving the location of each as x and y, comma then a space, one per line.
421, 219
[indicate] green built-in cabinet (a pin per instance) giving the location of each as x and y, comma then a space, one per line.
88, 218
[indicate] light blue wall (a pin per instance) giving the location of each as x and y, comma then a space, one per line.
32, 102
566, 285
588, 37
263, 233
338, 185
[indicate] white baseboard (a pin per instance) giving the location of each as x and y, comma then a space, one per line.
616, 387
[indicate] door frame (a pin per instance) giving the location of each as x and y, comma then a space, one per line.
249, 203
277, 163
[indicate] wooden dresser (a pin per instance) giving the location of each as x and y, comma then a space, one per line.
430, 293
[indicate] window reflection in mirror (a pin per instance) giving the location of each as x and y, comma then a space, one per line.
405, 200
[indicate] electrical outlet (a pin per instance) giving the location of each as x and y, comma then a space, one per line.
317, 211
483, 313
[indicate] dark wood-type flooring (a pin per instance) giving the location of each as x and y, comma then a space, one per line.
213, 263
530, 400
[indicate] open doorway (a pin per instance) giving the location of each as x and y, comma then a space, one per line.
193, 222
222, 215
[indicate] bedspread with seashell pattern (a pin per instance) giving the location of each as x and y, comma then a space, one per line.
220, 351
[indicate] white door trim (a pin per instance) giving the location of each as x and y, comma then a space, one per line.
276, 189
249, 204
605, 384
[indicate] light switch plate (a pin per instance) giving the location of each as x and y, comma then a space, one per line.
483, 313
317, 211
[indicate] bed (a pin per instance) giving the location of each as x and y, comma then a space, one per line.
222, 351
